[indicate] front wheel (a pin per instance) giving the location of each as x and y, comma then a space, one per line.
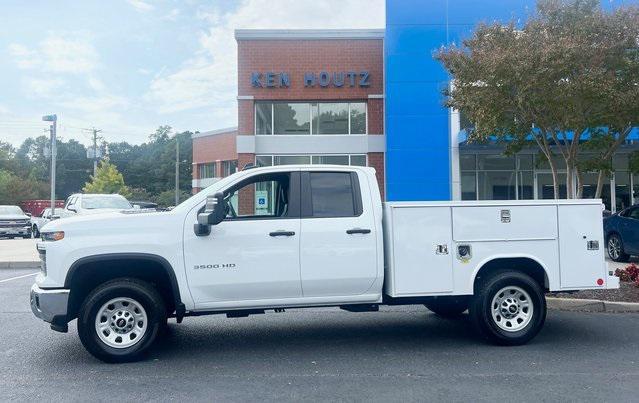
509, 308
120, 319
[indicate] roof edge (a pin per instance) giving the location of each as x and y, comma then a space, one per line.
312, 34
214, 132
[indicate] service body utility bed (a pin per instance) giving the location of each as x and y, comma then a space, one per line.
429, 246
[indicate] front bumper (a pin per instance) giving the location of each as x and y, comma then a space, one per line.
9, 231
50, 305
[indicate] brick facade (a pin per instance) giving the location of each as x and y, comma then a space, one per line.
344, 58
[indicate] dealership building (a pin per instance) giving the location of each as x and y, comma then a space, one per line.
374, 98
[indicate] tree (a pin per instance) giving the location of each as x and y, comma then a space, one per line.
107, 179
569, 76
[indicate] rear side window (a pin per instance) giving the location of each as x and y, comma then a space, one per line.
334, 194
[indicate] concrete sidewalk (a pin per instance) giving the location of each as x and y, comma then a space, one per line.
18, 253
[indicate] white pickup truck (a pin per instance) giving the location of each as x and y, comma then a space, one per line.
310, 236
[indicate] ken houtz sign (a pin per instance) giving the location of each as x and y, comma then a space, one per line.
322, 79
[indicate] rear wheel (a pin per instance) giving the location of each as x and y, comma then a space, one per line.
35, 232
448, 307
615, 249
509, 308
120, 319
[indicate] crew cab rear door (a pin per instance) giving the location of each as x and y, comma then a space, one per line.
338, 248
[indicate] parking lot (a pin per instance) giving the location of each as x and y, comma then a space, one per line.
402, 353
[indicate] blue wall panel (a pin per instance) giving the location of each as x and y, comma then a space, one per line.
417, 124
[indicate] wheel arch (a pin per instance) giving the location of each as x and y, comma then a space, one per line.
88, 272
522, 263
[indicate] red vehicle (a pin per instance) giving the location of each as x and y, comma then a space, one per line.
35, 207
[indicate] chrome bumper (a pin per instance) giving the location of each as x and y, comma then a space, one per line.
50, 305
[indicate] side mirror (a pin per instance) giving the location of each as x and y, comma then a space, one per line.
55, 217
72, 209
214, 213
28, 214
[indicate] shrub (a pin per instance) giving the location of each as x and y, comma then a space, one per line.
629, 274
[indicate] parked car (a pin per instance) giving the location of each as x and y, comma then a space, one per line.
303, 236
621, 231
83, 204
38, 222
14, 222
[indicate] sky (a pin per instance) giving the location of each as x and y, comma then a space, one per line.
128, 66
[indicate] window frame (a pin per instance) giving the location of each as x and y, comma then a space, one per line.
306, 195
294, 196
310, 115
350, 160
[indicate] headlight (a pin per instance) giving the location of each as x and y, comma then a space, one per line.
52, 236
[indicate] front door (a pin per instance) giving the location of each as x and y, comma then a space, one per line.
253, 255
338, 246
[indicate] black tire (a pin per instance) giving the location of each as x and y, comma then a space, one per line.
448, 307
138, 291
481, 308
616, 255
35, 232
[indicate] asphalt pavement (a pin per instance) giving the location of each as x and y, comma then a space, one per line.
398, 354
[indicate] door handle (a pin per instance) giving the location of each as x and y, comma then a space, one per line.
358, 231
281, 233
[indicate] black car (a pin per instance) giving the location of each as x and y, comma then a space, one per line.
621, 232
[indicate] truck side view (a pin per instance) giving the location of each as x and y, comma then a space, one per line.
296, 236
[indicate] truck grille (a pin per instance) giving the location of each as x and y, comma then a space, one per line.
13, 223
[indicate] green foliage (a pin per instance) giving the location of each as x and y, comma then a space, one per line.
167, 198
148, 169
107, 179
14, 189
572, 69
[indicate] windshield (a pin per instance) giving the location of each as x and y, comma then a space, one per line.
97, 202
11, 210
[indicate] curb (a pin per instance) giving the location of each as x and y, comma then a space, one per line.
20, 265
591, 305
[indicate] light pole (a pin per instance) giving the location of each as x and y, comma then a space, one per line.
177, 170
54, 120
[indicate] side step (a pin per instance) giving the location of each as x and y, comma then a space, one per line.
244, 313
360, 308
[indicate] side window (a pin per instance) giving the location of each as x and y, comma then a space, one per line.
333, 194
263, 196
634, 214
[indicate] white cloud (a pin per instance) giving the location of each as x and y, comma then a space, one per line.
95, 104
209, 78
42, 88
68, 53
172, 15
140, 5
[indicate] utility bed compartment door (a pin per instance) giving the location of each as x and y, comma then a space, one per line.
504, 223
421, 251
581, 266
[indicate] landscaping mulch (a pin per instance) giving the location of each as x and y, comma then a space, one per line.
627, 292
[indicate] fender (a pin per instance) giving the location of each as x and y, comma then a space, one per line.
179, 306
489, 259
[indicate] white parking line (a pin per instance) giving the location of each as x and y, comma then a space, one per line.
15, 278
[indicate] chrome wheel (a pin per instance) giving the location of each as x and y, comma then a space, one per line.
512, 309
121, 322
614, 247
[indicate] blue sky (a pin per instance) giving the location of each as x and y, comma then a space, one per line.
128, 66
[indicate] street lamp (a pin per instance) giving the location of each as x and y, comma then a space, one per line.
53, 119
